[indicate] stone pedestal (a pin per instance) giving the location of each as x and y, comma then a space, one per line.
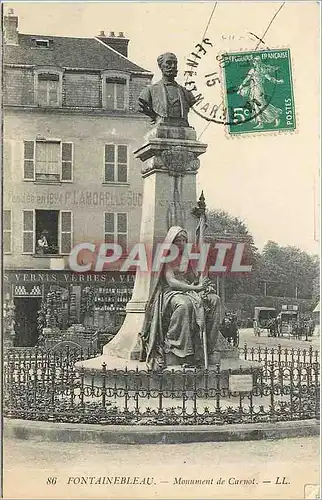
137, 375
170, 156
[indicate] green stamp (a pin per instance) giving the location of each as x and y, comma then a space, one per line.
259, 91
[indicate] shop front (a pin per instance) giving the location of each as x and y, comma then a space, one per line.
56, 300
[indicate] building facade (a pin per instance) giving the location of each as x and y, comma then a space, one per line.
71, 125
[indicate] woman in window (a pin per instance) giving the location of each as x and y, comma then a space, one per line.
42, 242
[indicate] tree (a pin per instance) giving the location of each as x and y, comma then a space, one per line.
223, 226
288, 271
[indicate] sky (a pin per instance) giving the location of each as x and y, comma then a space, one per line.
271, 181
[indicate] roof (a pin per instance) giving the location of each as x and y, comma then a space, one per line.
317, 308
68, 52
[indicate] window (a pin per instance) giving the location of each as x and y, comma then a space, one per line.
48, 90
115, 90
7, 232
115, 230
42, 43
48, 161
48, 83
116, 161
47, 232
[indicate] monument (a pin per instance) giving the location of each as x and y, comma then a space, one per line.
173, 317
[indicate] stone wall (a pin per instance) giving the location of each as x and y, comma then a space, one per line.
78, 89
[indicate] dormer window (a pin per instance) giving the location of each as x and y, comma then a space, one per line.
42, 43
48, 87
115, 91
48, 90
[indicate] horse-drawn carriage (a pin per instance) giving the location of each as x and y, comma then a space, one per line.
293, 324
289, 321
264, 318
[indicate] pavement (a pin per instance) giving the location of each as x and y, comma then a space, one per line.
266, 469
240, 470
246, 335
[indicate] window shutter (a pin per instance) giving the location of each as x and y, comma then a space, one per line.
28, 237
29, 161
67, 161
109, 95
122, 163
109, 227
122, 230
109, 162
120, 95
66, 228
7, 232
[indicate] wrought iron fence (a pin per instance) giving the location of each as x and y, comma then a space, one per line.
280, 355
42, 385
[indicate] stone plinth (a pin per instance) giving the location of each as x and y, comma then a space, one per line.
172, 377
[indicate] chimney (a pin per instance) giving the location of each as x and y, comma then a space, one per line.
118, 43
10, 22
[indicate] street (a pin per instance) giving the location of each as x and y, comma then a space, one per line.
253, 469
247, 335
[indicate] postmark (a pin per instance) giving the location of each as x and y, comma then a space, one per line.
247, 91
258, 91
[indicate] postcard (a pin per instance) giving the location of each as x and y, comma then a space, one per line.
161, 266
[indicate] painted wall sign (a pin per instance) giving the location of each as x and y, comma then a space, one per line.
60, 277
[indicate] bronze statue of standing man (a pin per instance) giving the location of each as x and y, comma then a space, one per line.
166, 101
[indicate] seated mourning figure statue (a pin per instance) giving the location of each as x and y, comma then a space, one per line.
166, 101
179, 309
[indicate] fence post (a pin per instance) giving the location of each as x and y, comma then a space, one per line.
217, 387
183, 391
194, 392
126, 390
104, 385
272, 399
81, 388
310, 355
160, 394
52, 391
137, 391
317, 391
279, 352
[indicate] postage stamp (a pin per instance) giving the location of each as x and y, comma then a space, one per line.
258, 91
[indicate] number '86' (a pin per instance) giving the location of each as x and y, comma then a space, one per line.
51, 480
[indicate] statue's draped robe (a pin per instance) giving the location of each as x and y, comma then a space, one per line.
175, 319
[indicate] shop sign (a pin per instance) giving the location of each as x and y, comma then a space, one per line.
68, 277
